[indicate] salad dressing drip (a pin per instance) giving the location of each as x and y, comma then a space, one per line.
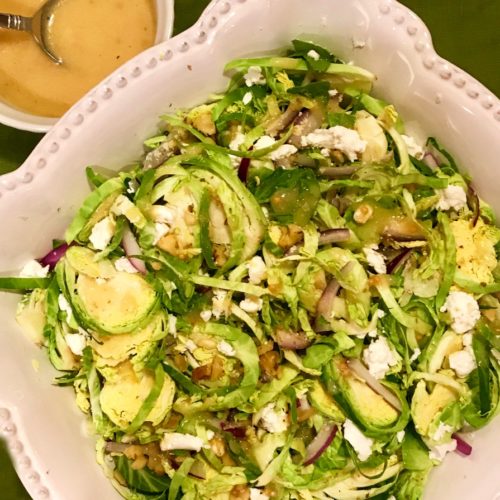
93, 37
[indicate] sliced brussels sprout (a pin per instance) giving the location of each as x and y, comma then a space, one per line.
59, 353
370, 131
324, 403
30, 314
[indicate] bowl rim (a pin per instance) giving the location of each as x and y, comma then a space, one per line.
23, 120
479, 98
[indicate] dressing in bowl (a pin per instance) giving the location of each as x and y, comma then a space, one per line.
93, 37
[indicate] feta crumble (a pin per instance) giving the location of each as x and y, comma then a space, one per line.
441, 431
219, 303
237, 141
415, 355
283, 151
379, 357
160, 231
413, 148
102, 233
452, 197
178, 441
33, 269
254, 76
206, 315
257, 270
439, 452
375, 259
362, 445
400, 436
256, 494
247, 98
462, 362
163, 214
463, 310
272, 420
313, 55
226, 348
251, 304
333, 92
172, 325
124, 265
340, 138
263, 142
64, 306
76, 342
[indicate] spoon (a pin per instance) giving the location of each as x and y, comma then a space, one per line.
38, 25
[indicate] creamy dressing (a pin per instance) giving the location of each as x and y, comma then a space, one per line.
93, 37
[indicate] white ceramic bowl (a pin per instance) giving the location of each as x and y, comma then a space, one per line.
26, 121
45, 431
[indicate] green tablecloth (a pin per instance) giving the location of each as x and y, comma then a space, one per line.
466, 32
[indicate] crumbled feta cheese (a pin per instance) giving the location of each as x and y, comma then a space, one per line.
64, 306
313, 55
463, 362
251, 304
102, 233
33, 269
76, 343
172, 325
254, 76
256, 494
226, 348
467, 339
379, 357
190, 345
441, 431
283, 151
124, 265
439, 452
375, 259
163, 214
271, 420
161, 230
219, 303
178, 441
362, 445
257, 270
325, 152
415, 355
206, 315
210, 434
333, 92
263, 142
247, 98
380, 313
340, 138
463, 310
400, 436
237, 141
452, 197
412, 147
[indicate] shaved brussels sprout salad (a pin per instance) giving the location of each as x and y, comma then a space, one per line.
286, 298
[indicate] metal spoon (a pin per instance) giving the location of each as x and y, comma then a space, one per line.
38, 25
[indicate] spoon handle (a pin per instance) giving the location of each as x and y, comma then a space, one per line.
15, 22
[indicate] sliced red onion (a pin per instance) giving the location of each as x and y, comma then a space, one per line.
325, 303
54, 256
307, 121
283, 120
320, 443
243, 169
430, 160
131, 247
335, 235
292, 340
336, 172
397, 262
303, 403
238, 430
462, 446
114, 447
474, 204
360, 370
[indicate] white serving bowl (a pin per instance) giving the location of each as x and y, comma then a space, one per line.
45, 431
16, 118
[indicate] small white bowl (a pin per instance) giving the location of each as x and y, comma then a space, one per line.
13, 117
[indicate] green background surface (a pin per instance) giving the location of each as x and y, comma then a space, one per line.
466, 32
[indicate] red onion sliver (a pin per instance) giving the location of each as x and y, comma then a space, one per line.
360, 370
54, 256
430, 160
474, 204
114, 447
462, 446
398, 261
320, 443
288, 339
243, 169
335, 235
131, 247
325, 303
